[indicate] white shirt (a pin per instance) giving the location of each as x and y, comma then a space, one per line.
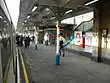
36, 38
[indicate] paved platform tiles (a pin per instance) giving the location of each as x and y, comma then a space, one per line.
41, 67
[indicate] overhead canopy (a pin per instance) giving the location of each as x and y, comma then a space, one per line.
42, 15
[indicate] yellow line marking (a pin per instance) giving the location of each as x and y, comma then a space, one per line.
7, 70
24, 68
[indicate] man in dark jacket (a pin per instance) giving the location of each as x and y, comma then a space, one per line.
61, 47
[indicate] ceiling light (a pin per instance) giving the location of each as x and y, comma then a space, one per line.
52, 18
47, 9
34, 8
1, 17
40, 30
68, 11
91, 2
34, 27
5, 21
28, 16
26, 28
25, 21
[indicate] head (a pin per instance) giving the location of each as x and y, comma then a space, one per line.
61, 34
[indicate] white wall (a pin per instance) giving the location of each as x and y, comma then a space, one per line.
79, 18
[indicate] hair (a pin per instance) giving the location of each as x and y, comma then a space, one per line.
61, 34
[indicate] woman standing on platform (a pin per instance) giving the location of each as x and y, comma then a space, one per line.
36, 40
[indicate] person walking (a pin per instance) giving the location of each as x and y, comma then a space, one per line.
27, 41
33, 38
46, 38
36, 40
17, 40
62, 46
21, 41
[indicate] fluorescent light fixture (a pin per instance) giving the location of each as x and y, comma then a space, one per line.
25, 21
4, 21
40, 30
28, 16
1, 17
34, 27
52, 18
26, 28
47, 9
34, 8
68, 11
91, 2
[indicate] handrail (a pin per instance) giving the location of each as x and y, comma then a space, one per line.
82, 23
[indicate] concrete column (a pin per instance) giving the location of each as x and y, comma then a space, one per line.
98, 32
99, 45
101, 23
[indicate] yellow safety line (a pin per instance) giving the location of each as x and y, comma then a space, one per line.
7, 70
24, 68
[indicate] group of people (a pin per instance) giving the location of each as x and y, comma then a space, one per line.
26, 39
23, 41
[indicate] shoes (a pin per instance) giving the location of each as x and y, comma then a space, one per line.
63, 55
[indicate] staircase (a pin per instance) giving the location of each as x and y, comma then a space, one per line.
85, 26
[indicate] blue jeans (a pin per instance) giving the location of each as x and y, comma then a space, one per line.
62, 51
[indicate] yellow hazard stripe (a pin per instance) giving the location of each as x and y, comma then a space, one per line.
24, 68
7, 70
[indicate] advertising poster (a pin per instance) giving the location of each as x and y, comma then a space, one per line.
78, 37
107, 50
88, 42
